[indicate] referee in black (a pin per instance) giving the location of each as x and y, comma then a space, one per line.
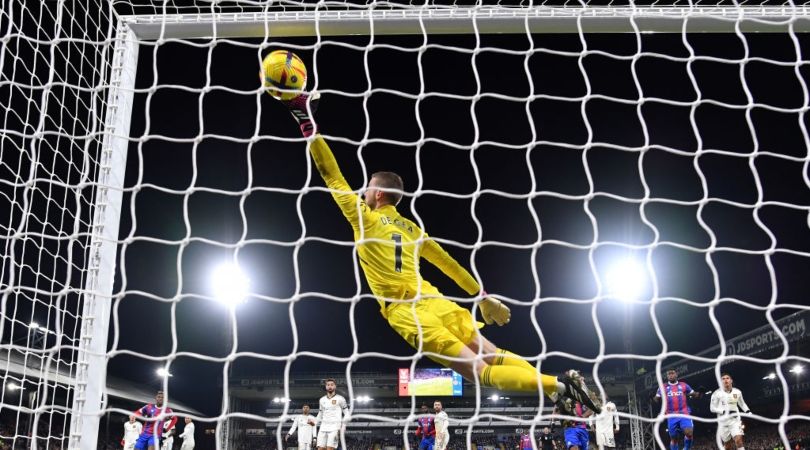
546, 440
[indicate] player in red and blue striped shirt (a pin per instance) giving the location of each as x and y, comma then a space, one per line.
677, 393
526, 442
426, 428
575, 431
152, 430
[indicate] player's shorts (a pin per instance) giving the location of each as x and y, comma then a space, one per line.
441, 444
328, 438
575, 436
304, 445
444, 323
728, 430
676, 425
427, 443
605, 438
146, 441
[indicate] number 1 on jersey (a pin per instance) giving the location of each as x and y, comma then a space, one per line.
397, 251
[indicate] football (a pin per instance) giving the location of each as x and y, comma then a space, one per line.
284, 74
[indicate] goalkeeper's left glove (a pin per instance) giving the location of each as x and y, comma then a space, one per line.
493, 310
303, 113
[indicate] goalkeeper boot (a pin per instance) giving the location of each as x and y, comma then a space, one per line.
574, 390
303, 108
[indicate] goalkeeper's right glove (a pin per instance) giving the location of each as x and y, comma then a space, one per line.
493, 310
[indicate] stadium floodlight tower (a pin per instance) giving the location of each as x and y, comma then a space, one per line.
71, 67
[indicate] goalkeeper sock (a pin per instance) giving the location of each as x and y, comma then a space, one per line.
687, 443
507, 358
515, 378
298, 108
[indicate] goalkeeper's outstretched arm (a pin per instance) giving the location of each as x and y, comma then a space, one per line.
492, 309
355, 210
436, 255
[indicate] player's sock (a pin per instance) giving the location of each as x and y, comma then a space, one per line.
510, 378
302, 114
507, 358
673, 444
687, 443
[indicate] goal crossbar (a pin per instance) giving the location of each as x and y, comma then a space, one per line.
715, 19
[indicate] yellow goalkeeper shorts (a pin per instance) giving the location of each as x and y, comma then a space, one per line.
443, 323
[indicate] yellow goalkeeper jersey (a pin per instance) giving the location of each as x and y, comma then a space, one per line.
389, 246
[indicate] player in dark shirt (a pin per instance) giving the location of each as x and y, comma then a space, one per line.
546, 440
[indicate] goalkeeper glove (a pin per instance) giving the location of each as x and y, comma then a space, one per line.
303, 113
492, 310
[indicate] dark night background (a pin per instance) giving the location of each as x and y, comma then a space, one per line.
213, 149
531, 155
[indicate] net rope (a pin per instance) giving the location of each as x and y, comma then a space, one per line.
55, 72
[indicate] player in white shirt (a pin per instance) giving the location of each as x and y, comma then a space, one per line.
727, 402
168, 438
606, 425
442, 424
331, 409
187, 435
132, 430
305, 424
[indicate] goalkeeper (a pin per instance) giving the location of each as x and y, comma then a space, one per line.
389, 247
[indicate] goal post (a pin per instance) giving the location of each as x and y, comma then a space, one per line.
117, 87
89, 397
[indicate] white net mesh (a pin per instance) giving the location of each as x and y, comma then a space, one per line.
565, 170
53, 64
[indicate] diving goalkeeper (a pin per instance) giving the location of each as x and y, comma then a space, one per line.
389, 247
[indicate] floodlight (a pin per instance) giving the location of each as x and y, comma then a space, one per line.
625, 280
230, 284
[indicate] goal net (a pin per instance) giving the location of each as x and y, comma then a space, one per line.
54, 63
631, 179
